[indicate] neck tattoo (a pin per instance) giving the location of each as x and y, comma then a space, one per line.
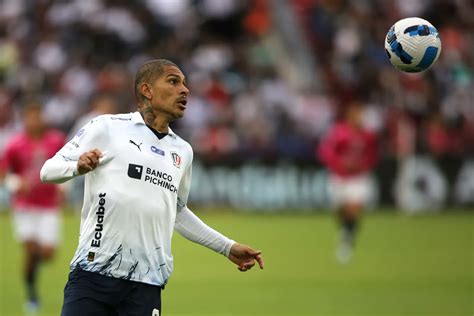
148, 115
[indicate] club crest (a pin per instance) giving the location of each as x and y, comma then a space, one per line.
176, 159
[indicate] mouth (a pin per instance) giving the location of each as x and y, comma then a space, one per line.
182, 103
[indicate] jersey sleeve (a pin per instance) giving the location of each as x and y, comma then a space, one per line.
6, 158
185, 184
63, 165
194, 229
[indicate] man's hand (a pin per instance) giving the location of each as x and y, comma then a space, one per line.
24, 186
245, 257
88, 161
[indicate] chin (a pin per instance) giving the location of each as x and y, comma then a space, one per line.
177, 116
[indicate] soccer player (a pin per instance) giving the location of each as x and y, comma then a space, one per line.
99, 104
35, 204
349, 151
138, 175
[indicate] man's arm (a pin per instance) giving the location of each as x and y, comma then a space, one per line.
59, 169
79, 156
194, 229
8, 178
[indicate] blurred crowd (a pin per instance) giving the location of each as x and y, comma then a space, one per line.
79, 58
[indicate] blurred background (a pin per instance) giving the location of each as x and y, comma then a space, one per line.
268, 80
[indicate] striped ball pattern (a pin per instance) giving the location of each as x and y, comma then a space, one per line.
412, 44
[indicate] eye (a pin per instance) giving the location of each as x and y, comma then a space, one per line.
173, 81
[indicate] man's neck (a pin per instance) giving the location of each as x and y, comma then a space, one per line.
158, 134
35, 134
158, 123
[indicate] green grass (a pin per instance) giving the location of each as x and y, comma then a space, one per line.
420, 265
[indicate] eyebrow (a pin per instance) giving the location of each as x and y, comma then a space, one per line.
174, 75
177, 76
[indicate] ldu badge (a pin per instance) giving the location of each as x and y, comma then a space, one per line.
176, 159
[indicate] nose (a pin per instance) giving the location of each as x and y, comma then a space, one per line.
184, 90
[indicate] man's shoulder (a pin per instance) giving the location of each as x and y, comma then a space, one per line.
20, 136
17, 141
117, 118
55, 136
183, 151
342, 130
112, 121
181, 142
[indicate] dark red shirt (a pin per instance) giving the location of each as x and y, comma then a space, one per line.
24, 156
348, 151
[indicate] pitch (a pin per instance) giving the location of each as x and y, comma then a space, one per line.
419, 265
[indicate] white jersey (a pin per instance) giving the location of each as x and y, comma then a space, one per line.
131, 199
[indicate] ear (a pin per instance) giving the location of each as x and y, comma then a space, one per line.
145, 90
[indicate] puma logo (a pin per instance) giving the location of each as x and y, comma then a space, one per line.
138, 146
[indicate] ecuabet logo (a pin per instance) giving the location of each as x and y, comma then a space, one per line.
176, 159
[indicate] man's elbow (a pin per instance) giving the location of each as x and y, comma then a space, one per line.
44, 174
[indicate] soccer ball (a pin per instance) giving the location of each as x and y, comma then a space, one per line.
412, 45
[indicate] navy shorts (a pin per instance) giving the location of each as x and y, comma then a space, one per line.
89, 293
